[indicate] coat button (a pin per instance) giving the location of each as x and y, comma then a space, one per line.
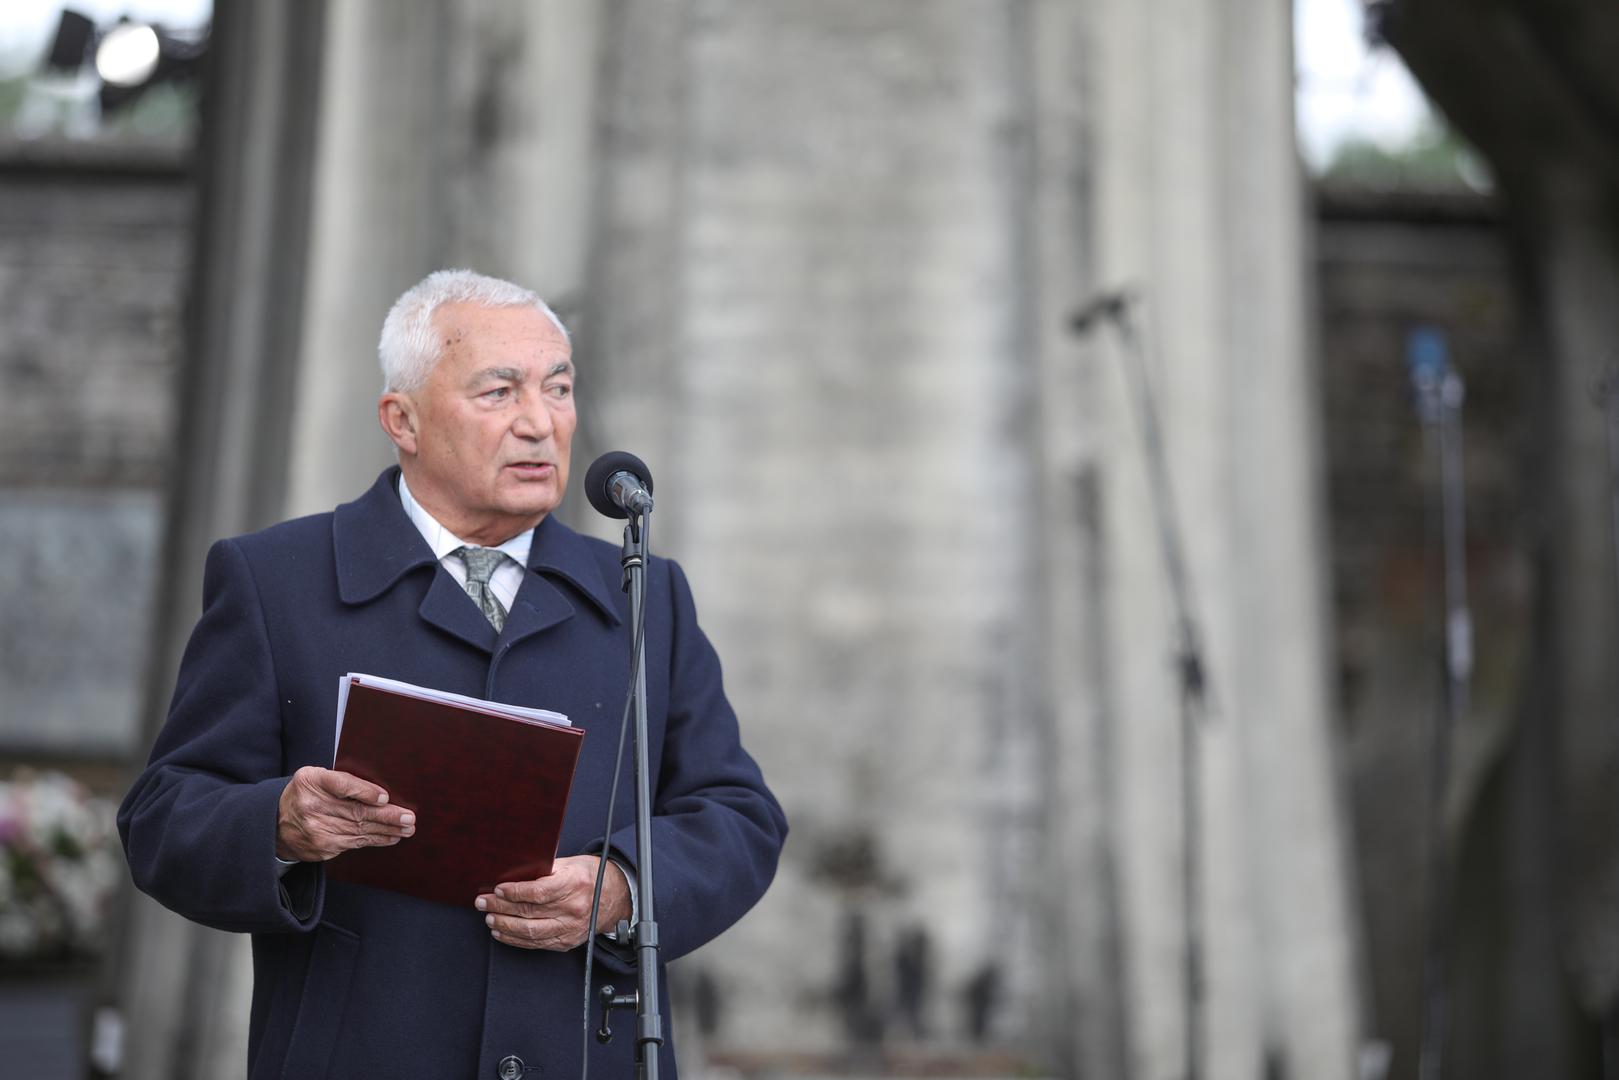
510, 1068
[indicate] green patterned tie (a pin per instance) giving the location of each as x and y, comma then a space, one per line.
481, 563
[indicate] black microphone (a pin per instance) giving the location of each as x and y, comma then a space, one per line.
619, 484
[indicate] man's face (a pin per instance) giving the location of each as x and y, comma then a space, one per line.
484, 441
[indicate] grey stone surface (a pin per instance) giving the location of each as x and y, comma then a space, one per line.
93, 258
76, 590
1197, 188
182, 986
825, 251
836, 436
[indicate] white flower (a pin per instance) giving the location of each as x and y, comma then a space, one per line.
58, 866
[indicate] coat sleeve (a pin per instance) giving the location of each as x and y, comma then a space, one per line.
199, 824
716, 828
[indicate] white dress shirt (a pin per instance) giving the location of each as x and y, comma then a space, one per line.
508, 576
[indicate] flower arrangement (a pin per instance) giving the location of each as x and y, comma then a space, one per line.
59, 867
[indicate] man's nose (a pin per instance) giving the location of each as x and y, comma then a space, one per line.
533, 418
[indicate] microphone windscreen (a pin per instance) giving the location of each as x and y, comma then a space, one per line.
603, 469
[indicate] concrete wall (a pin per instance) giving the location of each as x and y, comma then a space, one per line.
819, 258
1199, 206
93, 256
843, 466
875, 445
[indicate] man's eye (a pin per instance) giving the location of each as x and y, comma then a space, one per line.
560, 390
499, 393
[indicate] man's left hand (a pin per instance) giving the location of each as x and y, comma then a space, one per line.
554, 912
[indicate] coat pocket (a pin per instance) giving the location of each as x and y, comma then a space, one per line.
322, 1003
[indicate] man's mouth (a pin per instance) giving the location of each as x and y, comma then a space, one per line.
530, 468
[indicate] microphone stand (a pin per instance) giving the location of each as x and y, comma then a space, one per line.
1440, 393
648, 1019
1191, 671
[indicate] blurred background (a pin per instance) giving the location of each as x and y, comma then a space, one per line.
1146, 466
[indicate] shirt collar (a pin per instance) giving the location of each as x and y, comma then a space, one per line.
443, 541
375, 545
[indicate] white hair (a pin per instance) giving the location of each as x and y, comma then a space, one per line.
409, 346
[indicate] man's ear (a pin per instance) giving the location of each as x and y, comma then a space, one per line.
396, 412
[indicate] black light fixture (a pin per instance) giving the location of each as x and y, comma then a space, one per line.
128, 57
74, 33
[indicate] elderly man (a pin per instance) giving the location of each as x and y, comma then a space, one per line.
451, 572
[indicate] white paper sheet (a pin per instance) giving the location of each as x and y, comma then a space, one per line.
544, 716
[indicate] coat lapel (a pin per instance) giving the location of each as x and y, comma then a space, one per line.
539, 605
448, 607
376, 545
556, 552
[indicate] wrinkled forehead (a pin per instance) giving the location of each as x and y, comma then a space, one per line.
469, 332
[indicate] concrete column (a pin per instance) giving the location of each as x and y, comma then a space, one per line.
1296, 815
1082, 1018
1198, 204
449, 135
380, 222
627, 346
821, 336
183, 988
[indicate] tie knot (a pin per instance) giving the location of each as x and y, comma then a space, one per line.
481, 562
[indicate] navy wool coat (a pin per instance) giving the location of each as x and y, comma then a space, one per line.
351, 981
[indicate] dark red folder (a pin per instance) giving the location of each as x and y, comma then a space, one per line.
489, 791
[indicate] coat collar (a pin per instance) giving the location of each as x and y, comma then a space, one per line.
376, 544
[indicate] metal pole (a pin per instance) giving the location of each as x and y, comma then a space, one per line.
648, 1020
1440, 395
1192, 678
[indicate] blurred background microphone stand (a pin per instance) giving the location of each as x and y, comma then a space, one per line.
1439, 396
1118, 309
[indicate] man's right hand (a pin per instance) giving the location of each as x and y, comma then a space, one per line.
325, 813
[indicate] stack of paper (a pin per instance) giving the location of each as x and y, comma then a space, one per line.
488, 783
